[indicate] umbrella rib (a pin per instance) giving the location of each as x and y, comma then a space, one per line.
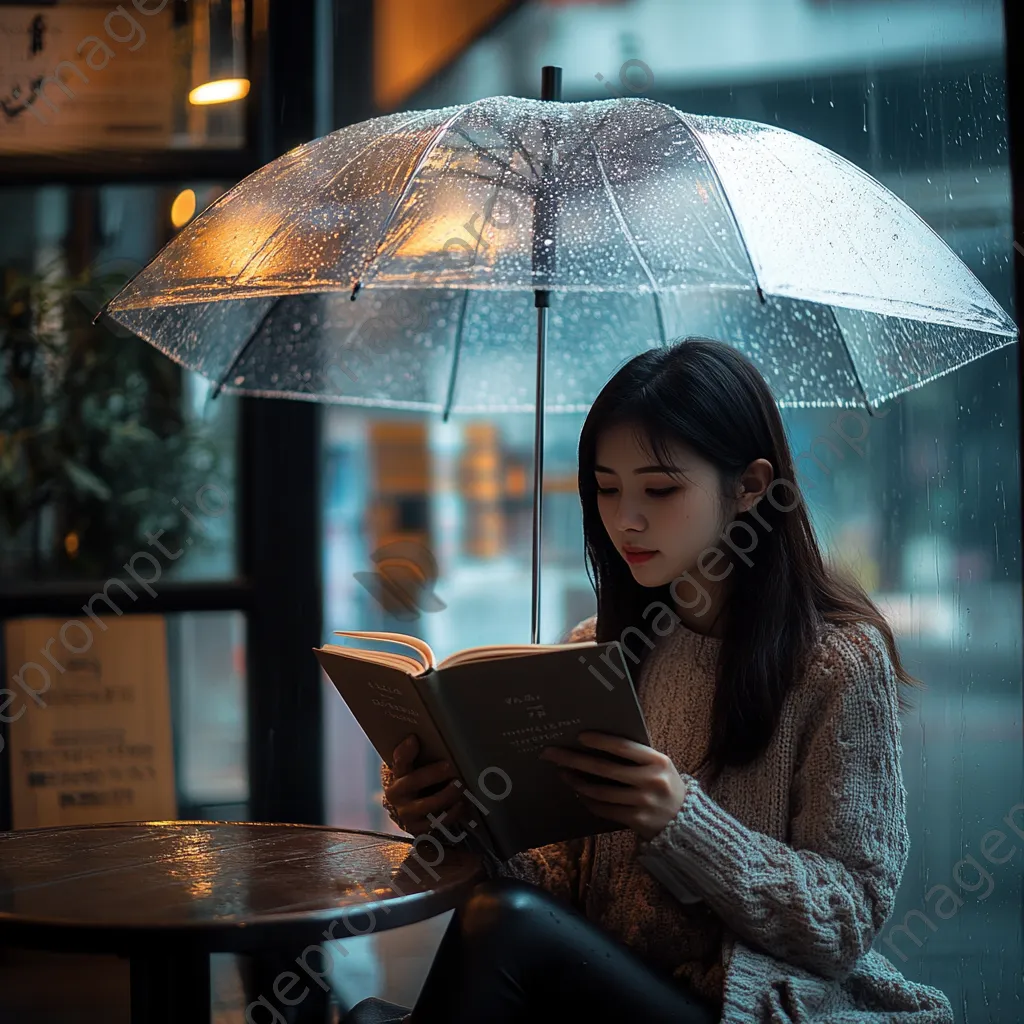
617, 210
427, 150
849, 355
812, 192
712, 241
334, 177
588, 140
518, 143
521, 149
455, 357
373, 142
483, 151
465, 297
245, 348
831, 308
725, 195
206, 214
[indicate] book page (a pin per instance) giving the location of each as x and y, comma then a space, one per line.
489, 652
402, 662
424, 661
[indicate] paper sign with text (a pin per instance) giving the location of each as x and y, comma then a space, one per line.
89, 721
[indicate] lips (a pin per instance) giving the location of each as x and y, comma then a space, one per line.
637, 555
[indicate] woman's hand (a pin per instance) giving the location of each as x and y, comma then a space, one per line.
406, 794
653, 793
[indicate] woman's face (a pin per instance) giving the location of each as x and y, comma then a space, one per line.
674, 511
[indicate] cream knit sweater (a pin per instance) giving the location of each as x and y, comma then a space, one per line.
765, 892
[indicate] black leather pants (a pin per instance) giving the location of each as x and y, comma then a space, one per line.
512, 953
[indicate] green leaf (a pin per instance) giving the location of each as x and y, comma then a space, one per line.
85, 480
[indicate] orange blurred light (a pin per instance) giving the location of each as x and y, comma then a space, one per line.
224, 90
183, 208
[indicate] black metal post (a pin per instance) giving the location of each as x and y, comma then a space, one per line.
1014, 16
279, 508
543, 257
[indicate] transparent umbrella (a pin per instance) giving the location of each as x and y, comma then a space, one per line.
510, 254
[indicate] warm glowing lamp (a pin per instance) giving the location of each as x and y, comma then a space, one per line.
218, 52
223, 90
183, 208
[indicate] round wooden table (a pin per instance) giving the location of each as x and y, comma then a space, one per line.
168, 894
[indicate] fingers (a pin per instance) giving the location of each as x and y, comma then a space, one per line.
618, 746
405, 754
627, 795
411, 785
420, 807
405, 791
446, 817
595, 765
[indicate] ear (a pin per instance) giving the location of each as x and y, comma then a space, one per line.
754, 483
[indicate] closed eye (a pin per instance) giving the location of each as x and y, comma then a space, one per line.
654, 492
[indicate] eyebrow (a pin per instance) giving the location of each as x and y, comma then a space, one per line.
643, 469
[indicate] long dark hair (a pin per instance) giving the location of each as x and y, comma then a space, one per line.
710, 397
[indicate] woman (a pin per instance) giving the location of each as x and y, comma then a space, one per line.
763, 832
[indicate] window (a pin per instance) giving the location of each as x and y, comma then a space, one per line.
926, 511
102, 77
110, 449
114, 463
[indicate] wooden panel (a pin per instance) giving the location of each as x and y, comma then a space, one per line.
86, 77
413, 39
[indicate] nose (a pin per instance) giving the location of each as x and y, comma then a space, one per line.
627, 517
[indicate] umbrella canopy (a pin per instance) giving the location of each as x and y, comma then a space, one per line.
663, 224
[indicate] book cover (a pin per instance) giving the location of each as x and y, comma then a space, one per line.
491, 719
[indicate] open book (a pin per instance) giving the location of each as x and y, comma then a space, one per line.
490, 711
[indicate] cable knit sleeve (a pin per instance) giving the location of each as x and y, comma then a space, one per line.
819, 901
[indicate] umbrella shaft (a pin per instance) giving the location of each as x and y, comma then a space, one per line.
545, 214
538, 461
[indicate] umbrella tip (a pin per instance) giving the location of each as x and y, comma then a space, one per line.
551, 82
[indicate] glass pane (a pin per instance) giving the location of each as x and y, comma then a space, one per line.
428, 530
149, 75
922, 501
206, 657
125, 717
113, 459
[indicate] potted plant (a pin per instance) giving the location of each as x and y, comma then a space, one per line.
95, 441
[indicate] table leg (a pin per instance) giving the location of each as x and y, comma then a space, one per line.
170, 988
